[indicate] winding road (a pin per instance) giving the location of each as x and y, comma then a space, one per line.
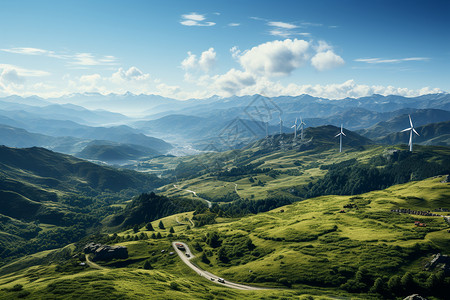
209, 276
93, 265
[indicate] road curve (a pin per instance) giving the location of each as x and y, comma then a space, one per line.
93, 265
209, 276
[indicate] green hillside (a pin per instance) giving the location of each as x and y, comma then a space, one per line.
309, 248
48, 199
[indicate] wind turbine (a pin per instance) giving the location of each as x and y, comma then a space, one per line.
295, 128
267, 129
340, 134
301, 125
411, 130
281, 124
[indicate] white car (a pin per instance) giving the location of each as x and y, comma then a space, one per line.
221, 280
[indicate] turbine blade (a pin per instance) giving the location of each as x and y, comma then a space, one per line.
415, 132
406, 129
337, 135
410, 121
343, 133
410, 138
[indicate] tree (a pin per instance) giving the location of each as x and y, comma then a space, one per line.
222, 255
153, 236
149, 227
394, 284
147, 265
158, 236
171, 230
213, 239
136, 228
407, 281
188, 227
378, 286
205, 259
161, 225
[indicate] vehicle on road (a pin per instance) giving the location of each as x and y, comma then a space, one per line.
188, 255
221, 280
212, 279
180, 246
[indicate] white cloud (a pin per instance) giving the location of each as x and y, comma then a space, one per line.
77, 59
207, 59
23, 71
276, 58
235, 52
388, 61
27, 51
326, 60
195, 19
282, 25
234, 24
233, 81
205, 62
132, 74
11, 75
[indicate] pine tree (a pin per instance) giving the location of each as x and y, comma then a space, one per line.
161, 225
147, 265
171, 230
149, 227
158, 236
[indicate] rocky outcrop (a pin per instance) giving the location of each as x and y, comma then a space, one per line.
106, 252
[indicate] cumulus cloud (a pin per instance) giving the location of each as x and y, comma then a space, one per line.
326, 60
132, 74
23, 71
233, 81
206, 61
276, 58
195, 19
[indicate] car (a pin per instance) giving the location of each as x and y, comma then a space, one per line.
221, 280
212, 279
188, 255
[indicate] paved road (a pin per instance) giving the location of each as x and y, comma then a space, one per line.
207, 274
195, 195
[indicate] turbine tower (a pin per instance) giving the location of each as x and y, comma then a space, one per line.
267, 129
281, 124
301, 125
295, 128
340, 134
411, 130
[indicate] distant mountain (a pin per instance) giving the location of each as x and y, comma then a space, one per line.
219, 133
431, 134
114, 152
420, 117
64, 112
103, 150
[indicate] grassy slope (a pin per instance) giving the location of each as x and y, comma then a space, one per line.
307, 170
309, 242
315, 239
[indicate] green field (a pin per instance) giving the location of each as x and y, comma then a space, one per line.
306, 248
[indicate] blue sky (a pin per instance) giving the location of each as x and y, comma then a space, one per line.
196, 49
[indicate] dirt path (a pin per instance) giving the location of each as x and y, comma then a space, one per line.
93, 265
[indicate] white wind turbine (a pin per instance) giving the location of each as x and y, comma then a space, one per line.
295, 128
281, 124
301, 125
411, 130
340, 134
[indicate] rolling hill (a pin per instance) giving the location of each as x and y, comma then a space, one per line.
54, 198
430, 134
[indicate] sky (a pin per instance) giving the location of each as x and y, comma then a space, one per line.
197, 49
